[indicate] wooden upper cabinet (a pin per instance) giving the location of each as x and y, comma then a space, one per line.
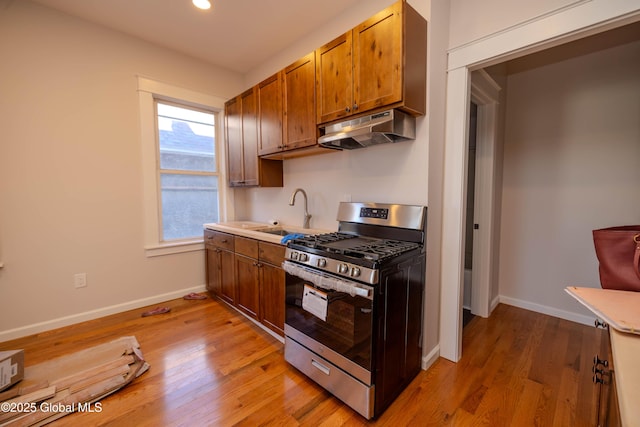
377, 60
249, 138
233, 134
334, 82
298, 94
244, 166
381, 63
270, 114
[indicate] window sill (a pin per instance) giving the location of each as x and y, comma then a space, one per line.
174, 248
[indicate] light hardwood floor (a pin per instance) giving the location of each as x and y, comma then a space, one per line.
212, 366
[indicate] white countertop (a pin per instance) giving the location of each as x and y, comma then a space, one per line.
626, 354
252, 229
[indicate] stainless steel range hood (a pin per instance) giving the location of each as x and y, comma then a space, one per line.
378, 128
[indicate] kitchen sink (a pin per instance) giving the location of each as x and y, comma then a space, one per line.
279, 232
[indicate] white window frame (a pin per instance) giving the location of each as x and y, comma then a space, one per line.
148, 92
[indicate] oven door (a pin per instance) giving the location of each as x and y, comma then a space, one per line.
327, 312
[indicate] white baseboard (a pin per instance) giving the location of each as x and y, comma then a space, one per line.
562, 314
430, 358
94, 314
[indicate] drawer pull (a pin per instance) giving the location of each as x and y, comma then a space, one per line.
600, 324
597, 361
319, 366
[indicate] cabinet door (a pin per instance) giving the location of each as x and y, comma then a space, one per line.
334, 89
270, 115
299, 94
248, 290
250, 137
227, 277
378, 60
233, 130
272, 297
213, 271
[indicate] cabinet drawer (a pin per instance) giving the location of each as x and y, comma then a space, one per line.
271, 253
247, 247
218, 239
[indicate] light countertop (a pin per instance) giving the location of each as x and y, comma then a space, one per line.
255, 230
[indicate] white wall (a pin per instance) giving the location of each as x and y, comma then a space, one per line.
570, 166
473, 20
70, 169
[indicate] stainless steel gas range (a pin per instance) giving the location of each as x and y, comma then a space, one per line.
353, 316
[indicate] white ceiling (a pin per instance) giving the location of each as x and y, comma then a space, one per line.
235, 34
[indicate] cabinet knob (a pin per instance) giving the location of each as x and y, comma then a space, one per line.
347, 109
600, 324
355, 107
597, 379
597, 361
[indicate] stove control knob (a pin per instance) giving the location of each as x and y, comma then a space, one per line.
293, 255
355, 272
322, 262
303, 257
343, 268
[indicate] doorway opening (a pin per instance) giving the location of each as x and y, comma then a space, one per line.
470, 225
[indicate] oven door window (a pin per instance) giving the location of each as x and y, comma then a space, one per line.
334, 319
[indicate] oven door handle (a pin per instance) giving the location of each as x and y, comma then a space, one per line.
327, 282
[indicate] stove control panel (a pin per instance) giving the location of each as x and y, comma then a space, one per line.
374, 213
329, 265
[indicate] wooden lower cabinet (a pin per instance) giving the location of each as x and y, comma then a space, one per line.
249, 277
219, 268
247, 285
272, 298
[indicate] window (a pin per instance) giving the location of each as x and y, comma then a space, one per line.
187, 170
180, 134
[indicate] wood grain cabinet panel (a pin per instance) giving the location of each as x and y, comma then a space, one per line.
245, 168
272, 286
298, 91
247, 285
334, 81
220, 273
270, 114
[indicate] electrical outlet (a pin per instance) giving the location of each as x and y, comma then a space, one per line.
80, 280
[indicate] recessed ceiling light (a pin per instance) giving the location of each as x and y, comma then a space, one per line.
202, 4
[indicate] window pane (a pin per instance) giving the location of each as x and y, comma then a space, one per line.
188, 201
186, 138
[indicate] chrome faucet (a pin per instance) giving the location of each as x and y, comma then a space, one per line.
307, 217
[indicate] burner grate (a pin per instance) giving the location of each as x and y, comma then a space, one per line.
381, 250
320, 240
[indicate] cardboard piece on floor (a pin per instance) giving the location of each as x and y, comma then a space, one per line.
82, 377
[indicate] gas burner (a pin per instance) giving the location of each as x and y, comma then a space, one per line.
320, 240
381, 250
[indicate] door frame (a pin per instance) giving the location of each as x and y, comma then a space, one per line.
485, 93
579, 20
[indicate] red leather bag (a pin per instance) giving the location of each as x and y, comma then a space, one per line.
618, 252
